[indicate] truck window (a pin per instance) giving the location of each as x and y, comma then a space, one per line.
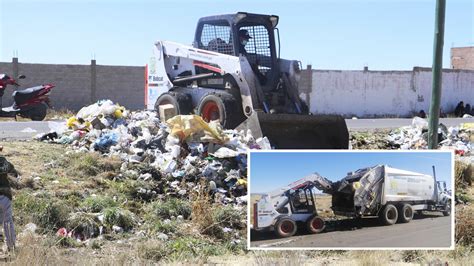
217, 38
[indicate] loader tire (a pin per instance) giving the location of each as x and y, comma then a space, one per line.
285, 227
405, 213
181, 102
389, 215
222, 107
447, 211
315, 225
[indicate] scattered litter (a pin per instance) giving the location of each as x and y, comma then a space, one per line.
163, 237
416, 137
117, 229
178, 153
30, 228
29, 130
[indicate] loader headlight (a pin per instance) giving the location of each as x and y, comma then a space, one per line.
241, 15
274, 20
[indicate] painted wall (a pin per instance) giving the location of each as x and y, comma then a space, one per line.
80, 85
384, 93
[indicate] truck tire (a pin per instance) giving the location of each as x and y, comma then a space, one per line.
285, 227
405, 213
447, 211
181, 102
315, 225
220, 106
389, 215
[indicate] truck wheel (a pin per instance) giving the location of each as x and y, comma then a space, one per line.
447, 211
315, 225
181, 102
285, 227
389, 215
222, 107
405, 213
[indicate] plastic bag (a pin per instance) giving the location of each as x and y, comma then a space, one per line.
193, 128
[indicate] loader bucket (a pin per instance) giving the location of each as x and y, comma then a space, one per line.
294, 131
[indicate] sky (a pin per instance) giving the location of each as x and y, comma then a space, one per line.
272, 170
337, 34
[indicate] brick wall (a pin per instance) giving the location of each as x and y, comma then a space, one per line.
74, 83
462, 57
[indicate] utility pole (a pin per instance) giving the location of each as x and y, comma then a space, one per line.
437, 74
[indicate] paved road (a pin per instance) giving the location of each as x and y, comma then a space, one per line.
426, 231
15, 130
391, 123
21, 130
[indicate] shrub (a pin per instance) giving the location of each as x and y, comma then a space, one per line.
98, 203
120, 217
463, 174
229, 217
464, 226
171, 207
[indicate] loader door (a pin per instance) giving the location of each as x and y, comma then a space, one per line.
260, 54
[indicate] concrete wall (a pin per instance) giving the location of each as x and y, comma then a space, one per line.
359, 93
80, 85
462, 57
384, 93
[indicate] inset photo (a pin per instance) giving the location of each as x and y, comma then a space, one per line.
351, 200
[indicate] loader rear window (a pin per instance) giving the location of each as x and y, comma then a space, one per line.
258, 47
217, 38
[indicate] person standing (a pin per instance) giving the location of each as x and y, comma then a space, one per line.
6, 215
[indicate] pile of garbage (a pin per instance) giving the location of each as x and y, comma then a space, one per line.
184, 148
457, 138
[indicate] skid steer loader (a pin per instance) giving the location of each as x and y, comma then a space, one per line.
244, 86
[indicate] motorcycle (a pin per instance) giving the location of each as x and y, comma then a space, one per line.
30, 103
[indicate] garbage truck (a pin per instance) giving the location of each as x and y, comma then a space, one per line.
392, 195
233, 73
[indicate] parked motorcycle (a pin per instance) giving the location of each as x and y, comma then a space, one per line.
30, 103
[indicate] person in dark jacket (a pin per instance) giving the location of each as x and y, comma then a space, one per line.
459, 110
6, 215
244, 38
468, 109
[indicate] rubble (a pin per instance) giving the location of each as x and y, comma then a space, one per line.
457, 138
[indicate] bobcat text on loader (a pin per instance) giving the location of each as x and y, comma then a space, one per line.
233, 73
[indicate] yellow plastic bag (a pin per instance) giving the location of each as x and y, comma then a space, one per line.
242, 182
71, 122
194, 128
119, 112
467, 126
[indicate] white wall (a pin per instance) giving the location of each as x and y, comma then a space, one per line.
385, 93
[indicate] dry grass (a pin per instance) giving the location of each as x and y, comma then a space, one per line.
463, 173
465, 224
51, 163
202, 213
61, 113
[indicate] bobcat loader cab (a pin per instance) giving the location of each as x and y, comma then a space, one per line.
287, 208
215, 80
